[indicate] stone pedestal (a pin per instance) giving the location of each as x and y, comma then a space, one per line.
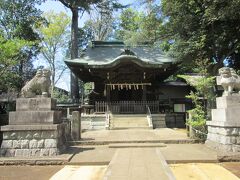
35, 129
224, 129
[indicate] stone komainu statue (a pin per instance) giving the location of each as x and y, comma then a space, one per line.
38, 85
229, 80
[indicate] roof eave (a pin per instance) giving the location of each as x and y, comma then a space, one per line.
118, 60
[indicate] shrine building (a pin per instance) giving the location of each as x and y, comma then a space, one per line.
131, 80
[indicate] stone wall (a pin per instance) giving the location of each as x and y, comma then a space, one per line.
46, 140
224, 138
159, 120
35, 129
168, 120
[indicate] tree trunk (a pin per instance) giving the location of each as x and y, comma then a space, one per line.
74, 54
53, 82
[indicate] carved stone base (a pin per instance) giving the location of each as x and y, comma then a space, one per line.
34, 129
224, 138
32, 140
224, 129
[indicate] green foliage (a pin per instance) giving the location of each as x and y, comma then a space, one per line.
137, 27
55, 35
197, 120
203, 83
76, 7
202, 29
203, 98
197, 115
17, 18
55, 32
130, 19
19, 42
10, 52
101, 23
60, 96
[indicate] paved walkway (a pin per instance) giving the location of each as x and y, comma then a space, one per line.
188, 153
135, 135
140, 151
102, 154
173, 153
138, 164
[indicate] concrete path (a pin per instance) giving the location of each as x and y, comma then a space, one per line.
173, 153
138, 164
164, 135
188, 153
92, 155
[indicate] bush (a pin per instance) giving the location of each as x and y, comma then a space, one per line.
197, 121
61, 97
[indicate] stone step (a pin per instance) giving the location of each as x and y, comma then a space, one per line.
165, 141
145, 121
130, 127
93, 122
136, 145
130, 115
130, 122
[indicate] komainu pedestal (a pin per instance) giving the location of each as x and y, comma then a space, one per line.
224, 129
35, 129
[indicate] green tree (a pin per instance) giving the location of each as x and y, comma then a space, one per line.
129, 26
101, 21
203, 98
202, 29
10, 52
152, 24
77, 6
54, 35
140, 27
17, 18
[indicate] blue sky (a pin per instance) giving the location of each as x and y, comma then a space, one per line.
56, 6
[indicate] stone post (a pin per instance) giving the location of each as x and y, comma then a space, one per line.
76, 126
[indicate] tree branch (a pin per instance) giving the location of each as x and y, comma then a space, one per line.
60, 75
65, 4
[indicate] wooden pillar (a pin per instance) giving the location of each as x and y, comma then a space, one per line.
144, 96
108, 93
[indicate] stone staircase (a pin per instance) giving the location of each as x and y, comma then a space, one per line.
93, 122
128, 121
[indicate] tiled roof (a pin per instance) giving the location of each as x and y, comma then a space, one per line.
105, 53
